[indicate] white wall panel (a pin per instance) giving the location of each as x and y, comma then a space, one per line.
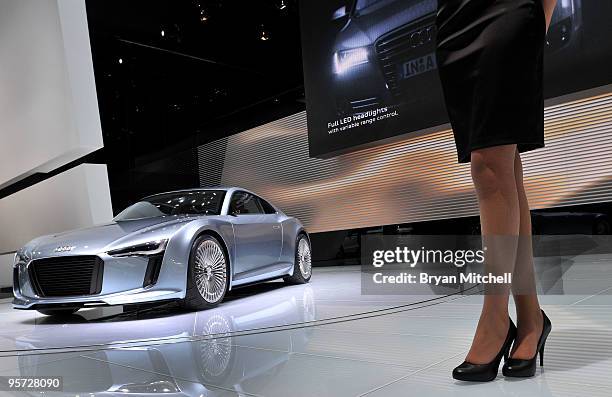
79, 197
48, 105
6, 270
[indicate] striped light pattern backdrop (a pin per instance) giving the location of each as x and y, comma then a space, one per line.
415, 179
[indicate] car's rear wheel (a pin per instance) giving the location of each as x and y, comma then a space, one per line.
207, 276
64, 312
302, 268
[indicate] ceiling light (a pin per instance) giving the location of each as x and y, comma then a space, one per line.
203, 15
263, 35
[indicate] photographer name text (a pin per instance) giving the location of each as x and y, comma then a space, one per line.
426, 278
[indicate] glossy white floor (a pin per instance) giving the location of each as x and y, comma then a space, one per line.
322, 339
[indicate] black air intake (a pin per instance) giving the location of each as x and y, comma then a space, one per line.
67, 276
153, 269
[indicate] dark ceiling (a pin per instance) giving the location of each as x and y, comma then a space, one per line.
171, 75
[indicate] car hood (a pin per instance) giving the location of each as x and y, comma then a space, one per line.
101, 238
373, 22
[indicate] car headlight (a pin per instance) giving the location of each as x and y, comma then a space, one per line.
144, 249
19, 258
348, 59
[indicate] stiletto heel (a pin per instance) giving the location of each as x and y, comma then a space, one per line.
507, 352
486, 372
516, 367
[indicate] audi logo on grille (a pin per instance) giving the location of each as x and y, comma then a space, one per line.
65, 248
422, 36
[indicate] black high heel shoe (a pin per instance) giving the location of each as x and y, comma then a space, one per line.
519, 368
486, 372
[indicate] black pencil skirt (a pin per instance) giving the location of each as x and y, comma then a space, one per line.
490, 60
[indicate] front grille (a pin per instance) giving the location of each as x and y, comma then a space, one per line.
405, 43
67, 276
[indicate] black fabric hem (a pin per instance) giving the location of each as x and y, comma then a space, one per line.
521, 146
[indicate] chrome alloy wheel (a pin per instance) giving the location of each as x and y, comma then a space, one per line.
210, 271
303, 257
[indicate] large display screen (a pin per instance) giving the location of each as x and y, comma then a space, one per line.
370, 67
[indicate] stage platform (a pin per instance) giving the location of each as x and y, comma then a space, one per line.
320, 339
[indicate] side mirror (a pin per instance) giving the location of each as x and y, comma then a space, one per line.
339, 13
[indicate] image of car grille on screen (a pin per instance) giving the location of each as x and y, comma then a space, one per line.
371, 72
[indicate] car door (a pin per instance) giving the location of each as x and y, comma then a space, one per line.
258, 237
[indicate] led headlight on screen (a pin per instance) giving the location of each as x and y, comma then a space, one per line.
563, 11
345, 60
144, 249
562, 25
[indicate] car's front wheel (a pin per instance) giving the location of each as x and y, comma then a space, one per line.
302, 268
207, 276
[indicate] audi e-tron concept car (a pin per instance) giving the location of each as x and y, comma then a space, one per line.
191, 246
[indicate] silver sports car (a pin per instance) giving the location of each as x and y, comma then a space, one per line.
190, 245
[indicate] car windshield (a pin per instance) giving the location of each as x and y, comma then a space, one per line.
199, 202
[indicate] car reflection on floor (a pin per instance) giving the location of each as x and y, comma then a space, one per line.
184, 363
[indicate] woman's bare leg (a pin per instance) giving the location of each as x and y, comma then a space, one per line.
528, 312
493, 175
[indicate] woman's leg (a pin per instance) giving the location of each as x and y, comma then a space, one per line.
493, 175
528, 313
